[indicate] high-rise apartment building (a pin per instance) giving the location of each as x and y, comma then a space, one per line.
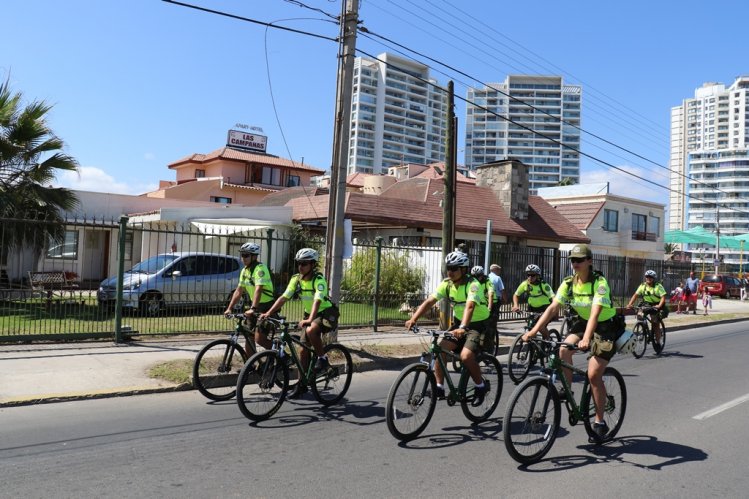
710, 161
496, 124
396, 116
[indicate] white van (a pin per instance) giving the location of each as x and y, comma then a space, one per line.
175, 280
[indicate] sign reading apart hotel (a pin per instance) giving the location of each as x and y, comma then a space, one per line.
245, 140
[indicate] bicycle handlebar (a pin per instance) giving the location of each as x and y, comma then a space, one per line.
432, 332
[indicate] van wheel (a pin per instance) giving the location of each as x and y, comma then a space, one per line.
151, 305
728, 295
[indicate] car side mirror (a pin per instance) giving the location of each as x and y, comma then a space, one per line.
176, 273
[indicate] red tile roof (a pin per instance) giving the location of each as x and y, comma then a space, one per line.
580, 214
236, 155
416, 203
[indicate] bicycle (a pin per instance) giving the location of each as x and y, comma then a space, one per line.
533, 412
524, 355
217, 365
265, 380
643, 331
413, 396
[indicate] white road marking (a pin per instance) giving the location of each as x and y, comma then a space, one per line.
723, 407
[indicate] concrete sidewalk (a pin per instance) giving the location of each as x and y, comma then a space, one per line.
41, 373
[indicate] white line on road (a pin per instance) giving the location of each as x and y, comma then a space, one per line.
723, 407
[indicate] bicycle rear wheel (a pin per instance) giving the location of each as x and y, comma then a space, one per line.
658, 346
411, 401
554, 335
491, 372
519, 360
262, 385
616, 406
532, 420
640, 339
331, 384
216, 368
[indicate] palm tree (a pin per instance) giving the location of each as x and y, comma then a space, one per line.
669, 248
30, 156
567, 181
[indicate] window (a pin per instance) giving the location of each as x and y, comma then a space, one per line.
639, 227
220, 199
128, 245
199, 173
293, 181
271, 176
610, 220
655, 225
67, 249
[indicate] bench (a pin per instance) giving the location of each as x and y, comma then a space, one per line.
53, 281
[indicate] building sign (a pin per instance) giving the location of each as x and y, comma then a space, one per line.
245, 140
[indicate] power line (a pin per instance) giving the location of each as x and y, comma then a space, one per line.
253, 21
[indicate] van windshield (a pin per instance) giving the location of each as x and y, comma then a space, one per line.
711, 278
153, 264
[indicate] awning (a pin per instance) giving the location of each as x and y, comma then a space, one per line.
228, 226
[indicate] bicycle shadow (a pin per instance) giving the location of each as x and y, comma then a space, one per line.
456, 435
632, 450
676, 353
360, 413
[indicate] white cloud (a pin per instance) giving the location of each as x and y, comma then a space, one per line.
89, 178
621, 184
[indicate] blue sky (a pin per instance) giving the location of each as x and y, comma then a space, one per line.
138, 84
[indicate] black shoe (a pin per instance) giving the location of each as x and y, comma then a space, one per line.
563, 395
440, 392
321, 364
300, 390
479, 393
601, 429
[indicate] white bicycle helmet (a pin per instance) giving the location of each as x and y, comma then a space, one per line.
457, 259
478, 270
306, 255
651, 273
533, 269
251, 248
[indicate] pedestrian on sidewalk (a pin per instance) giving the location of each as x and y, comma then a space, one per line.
707, 300
691, 289
499, 288
677, 296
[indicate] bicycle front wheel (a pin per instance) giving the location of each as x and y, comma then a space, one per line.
331, 384
616, 406
519, 360
532, 420
411, 402
640, 339
491, 372
658, 346
216, 369
262, 385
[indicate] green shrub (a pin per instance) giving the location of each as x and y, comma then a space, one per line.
397, 274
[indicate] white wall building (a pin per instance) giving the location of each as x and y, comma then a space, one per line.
396, 117
710, 161
492, 130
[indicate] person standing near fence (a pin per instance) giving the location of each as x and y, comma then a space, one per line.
499, 288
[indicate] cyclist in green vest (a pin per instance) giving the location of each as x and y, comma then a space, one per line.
255, 281
320, 314
478, 273
539, 294
470, 321
588, 293
653, 294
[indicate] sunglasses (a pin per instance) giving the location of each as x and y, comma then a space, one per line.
532, 275
452, 268
304, 263
577, 260
245, 255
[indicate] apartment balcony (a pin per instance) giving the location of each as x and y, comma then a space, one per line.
644, 236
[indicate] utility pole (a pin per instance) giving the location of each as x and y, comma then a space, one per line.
336, 209
448, 200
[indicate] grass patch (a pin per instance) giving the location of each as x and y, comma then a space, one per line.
390, 350
175, 371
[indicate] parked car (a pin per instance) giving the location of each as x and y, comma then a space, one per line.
725, 286
175, 280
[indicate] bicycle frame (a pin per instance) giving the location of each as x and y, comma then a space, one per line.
435, 353
248, 332
554, 372
287, 339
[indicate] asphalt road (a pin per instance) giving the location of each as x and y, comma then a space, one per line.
684, 435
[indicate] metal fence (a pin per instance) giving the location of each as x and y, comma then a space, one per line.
178, 278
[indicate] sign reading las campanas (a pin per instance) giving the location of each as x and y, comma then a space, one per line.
244, 140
